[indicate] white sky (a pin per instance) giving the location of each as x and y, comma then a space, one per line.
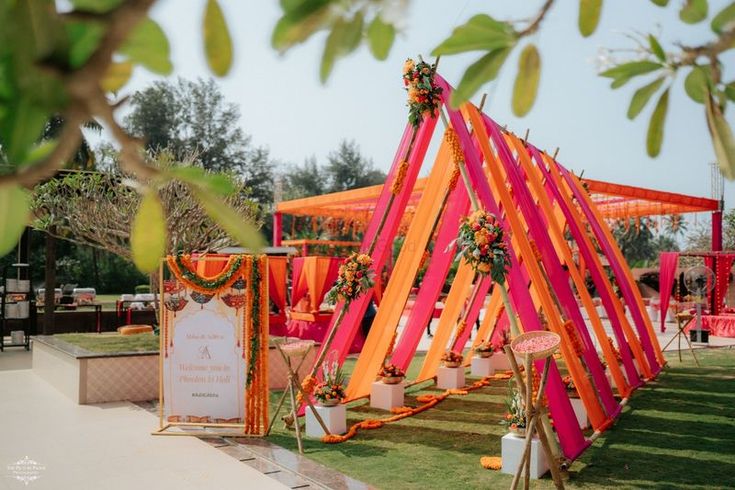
285, 108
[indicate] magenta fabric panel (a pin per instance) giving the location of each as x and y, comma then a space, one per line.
617, 268
277, 295
298, 284
597, 277
330, 278
558, 278
722, 275
503, 326
384, 245
440, 261
571, 438
473, 313
709, 262
666, 276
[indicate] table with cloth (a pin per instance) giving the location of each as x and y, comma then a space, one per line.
718, 325
312, 277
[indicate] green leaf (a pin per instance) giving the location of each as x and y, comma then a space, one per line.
353, 33
148, 46
589, 16
84, 37
21, 128
117, 76
656, 48
95, 6
217, 41
661, 3
245, 233
724, 19
483, 70
333, 48
693, 11
380, 37
219, 184
631, 69
526, 84
148, 233
480, 33
299, 22
722, 138
39, 152
696, 84
655, 135
730, 91
642, 96
621, 74
14, 215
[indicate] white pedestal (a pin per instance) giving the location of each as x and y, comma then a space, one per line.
580, 412
482, 366
450, 378
512, 451
500, 361
385, 396
335, 418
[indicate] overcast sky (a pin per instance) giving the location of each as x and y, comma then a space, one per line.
285, 108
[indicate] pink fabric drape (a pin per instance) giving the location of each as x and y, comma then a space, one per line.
666, 275
298, 282
558, 277
722, 275
473, 313
572, 440
384, 245
597, 277
436, 273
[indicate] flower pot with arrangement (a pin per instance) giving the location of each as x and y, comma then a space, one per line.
515, 416
452, 359
330, 391
391, 374
485, 349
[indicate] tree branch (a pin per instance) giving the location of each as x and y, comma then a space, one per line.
536, 23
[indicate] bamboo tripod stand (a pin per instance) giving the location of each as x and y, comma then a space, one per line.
682, 320
293, 385
534, 411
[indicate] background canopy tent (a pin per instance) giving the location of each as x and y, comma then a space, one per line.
613, 201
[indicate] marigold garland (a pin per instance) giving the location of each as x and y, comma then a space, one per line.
400, 177
184, 270
572, 333
491, 462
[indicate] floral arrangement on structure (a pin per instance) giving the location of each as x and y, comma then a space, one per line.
452, 358
485, 349
423, 96
355, 277
482, 245
330, 391
570, 386
515, 417
391, 374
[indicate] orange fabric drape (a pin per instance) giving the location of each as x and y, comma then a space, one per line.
458, 294
277, 271
595, 411
402, 277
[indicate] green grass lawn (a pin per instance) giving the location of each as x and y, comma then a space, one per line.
676, 432
106, 343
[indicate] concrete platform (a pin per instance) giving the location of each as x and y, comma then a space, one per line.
102, 446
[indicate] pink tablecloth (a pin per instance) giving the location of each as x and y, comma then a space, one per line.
316, 330
718, 325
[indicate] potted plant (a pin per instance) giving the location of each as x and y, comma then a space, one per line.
330, 391
391, 374
515, 417
485, 349
452, 359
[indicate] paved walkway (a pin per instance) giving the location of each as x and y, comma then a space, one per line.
106, 446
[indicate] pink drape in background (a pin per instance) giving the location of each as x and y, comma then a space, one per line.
473, 313
722, 275
298, 282
666, 275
